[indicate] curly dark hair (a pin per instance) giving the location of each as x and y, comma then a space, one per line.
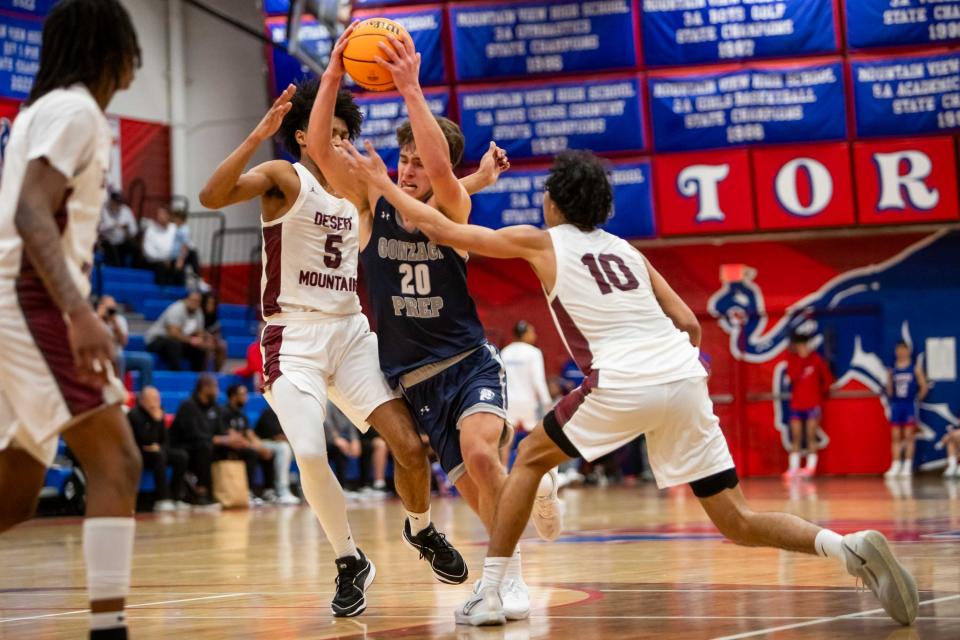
578, 184
296, 120
85, 41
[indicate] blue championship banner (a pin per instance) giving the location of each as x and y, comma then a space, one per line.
425, 25
522, 38
677, 32
19, 56
763, 104
286, 68
908, 95
39, 8
517, 198
383, 113
544, 119
886, 23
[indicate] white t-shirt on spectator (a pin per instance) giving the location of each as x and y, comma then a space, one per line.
117, 228
158, 241
176, 315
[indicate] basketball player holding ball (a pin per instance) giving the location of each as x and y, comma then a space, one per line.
637, 342
317, 343
433, 347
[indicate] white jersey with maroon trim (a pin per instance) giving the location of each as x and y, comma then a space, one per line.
310, 255
610, 321
68, 129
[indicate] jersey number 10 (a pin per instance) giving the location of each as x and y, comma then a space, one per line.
601, 268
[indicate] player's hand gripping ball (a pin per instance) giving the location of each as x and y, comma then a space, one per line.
361, 53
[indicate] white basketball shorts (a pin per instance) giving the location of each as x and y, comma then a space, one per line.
328, 357
684, 440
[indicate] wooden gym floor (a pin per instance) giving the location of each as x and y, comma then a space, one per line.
633, 563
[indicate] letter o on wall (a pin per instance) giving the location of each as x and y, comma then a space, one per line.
821, 187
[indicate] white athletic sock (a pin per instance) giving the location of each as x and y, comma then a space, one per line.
514, 567
418, 521
108, 554
812, 462
794, 461
108, 620
951, 464
299, 415
493, 571
325, 497
829, 544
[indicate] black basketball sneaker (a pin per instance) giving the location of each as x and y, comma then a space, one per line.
354, 577
445, 561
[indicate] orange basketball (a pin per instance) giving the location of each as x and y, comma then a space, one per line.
361, 52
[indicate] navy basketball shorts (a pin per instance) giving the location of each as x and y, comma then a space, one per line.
903, 412
440, 404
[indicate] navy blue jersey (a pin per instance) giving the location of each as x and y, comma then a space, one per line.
904, 383
418, 293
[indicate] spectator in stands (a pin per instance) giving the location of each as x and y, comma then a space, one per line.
110, 313
253, 369
528, 398
343, 442
150, 431
211, 324
199, 428
186, 263
179, 333
252, 450
272, 436
951, 440
373, 462
810, 381
118, 233
159, 236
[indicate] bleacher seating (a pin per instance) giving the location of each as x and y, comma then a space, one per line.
135, 289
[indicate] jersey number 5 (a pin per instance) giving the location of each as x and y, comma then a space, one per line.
333, 256
601, 268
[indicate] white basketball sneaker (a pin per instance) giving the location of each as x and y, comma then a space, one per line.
869, 558
547, 509
894, 469
483, 607
515, 597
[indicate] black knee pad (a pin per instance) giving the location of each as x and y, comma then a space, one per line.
712, 485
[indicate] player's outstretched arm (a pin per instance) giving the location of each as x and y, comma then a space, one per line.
320, 128
492, 164
512, 242
674, 306
400, 58
229, 184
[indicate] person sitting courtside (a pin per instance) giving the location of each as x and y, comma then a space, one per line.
150, 432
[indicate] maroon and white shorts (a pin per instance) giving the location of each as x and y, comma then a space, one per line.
40, 393
327, 357
684, 440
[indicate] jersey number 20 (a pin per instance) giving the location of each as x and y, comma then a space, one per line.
415, 279
602, 269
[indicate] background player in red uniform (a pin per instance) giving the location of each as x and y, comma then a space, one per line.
810, 381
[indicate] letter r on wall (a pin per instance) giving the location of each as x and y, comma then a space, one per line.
893, 183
